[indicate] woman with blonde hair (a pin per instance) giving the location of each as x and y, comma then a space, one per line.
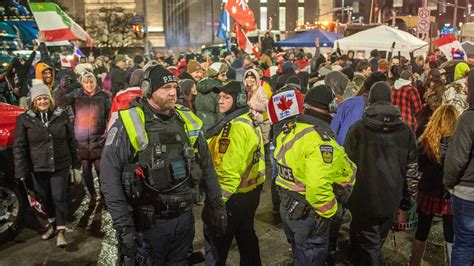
432, 196
45, 146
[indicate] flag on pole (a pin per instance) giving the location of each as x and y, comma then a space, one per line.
451, 47
222, 29
77, 52
64, 61
241, 12
56, 25
242, 41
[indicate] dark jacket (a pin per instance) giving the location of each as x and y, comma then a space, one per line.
374, 63
97, 72
431, 182
91, 115
44, 148
118, 78
22, 72
267, 44
118, 152
385, 152
459, 163
207, 103
128, 74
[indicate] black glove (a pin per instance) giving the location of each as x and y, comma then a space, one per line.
342, 193
214, 215
405, 204
127, 240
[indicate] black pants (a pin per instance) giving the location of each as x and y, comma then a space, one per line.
170, 240
424, 226
52, 189
241, 210
367, 238
87, 173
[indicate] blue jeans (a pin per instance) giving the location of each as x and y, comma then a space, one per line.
309, 247
463, 248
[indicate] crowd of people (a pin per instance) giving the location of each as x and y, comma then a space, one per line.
334, 134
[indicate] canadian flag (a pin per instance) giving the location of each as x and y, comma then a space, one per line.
285, 104
241, 12
242, 41
451, 47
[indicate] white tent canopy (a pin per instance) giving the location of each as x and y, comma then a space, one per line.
381, 38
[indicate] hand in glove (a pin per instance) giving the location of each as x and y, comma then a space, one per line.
127, 240
215, 216
76, 176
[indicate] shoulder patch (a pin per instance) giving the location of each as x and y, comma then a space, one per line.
327, 152
223, 145
111, 136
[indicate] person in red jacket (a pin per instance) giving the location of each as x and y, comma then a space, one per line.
407, 98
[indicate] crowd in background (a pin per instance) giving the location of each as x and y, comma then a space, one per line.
430, 93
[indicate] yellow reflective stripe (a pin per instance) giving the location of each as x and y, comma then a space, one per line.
287, 146
196, 124
326, 207
134, 121
247, 183
226, 194
249, 168
294, 187
192, 125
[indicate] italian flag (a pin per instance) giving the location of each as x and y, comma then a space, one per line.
55, 25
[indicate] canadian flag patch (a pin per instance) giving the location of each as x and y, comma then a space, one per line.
283, 105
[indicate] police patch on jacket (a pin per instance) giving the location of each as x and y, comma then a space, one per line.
327, 152
285, 172
223, 145
111, 136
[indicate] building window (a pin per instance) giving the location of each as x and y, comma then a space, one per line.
263, 18
300, 15
282, 16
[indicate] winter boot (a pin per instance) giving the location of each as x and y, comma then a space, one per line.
417, 251
51, 228
448, 248
61, 239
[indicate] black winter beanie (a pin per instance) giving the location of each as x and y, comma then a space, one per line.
319, 96
374, 77
380, 91
160, 76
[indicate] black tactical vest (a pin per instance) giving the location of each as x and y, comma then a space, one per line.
166, 163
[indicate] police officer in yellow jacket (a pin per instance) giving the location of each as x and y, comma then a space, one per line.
154, 158
314, 177
237, 150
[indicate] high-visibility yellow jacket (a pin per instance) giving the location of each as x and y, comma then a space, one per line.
309, 163
238, 156
134, 122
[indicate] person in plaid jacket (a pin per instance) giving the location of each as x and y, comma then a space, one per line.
407, 98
